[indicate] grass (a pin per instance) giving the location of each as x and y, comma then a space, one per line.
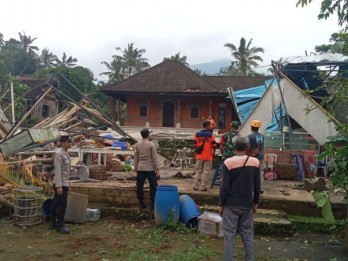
315, 224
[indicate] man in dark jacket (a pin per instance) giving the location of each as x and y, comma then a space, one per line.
239, 197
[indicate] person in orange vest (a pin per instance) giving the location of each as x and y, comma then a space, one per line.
212, 123
204, 144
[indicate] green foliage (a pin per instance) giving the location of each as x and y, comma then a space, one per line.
329, 7
337, 149
322, 200
20, 102
129, 63
245, 56
173, 225
305, 224
339, 44
177, 57
16, 60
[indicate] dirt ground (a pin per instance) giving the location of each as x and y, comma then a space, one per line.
115, 239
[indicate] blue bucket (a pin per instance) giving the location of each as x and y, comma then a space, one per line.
46, 207
167, 204
189, 211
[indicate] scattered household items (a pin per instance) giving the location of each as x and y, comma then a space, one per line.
189, 211
269, 172
286, 171
301, 166
92, 214
319, 184
167, 204
76, 208
269, 175
211, 224
185, 173
98, 172
183, 158
27, 206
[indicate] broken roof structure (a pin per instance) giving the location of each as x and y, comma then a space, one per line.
295, 76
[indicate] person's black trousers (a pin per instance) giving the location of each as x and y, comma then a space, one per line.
58, 206
151, 177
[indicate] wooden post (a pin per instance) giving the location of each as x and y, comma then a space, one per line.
179, 111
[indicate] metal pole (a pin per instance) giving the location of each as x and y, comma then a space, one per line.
13, 104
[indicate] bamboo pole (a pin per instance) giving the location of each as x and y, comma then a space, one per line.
14, 129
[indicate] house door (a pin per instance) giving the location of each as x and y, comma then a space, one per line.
168, 114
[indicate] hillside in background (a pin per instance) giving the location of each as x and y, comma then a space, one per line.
211, 68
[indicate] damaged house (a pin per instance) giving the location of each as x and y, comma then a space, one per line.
170, 94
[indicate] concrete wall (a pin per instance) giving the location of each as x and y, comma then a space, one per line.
182, 110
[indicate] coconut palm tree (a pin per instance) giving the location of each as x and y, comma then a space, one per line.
245, 55
66, 62
177, 57
115, 70
132, 60
26, 43
47, 59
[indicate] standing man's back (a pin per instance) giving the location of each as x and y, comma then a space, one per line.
239, 197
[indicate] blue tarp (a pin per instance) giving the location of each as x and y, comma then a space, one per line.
248, 98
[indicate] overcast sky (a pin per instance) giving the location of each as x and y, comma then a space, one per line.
90, 30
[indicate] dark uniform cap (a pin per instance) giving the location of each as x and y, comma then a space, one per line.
235, 124
145, 131
65, 138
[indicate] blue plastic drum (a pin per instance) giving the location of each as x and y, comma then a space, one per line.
189, 211
167, 204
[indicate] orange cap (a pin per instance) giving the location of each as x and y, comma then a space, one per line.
256, 123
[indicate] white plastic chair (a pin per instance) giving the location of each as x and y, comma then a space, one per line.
271, 160
322, 164
181, 159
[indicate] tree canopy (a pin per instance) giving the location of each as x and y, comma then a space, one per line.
246, 58
177, 57
130, 62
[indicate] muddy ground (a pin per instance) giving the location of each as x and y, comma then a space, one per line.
115, 239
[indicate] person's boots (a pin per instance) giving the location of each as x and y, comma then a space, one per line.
142, 205
62, 229
53, 225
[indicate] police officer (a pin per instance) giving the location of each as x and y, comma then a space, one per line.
226, 145
61, 186
147, 167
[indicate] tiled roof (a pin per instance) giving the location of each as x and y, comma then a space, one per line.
236, 82
166, 77
174, 77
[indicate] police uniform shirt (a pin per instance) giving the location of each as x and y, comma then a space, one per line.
61, 168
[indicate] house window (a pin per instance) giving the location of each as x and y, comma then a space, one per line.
194, 112
45, 110
143, 110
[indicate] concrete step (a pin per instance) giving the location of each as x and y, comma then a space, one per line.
266, 221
